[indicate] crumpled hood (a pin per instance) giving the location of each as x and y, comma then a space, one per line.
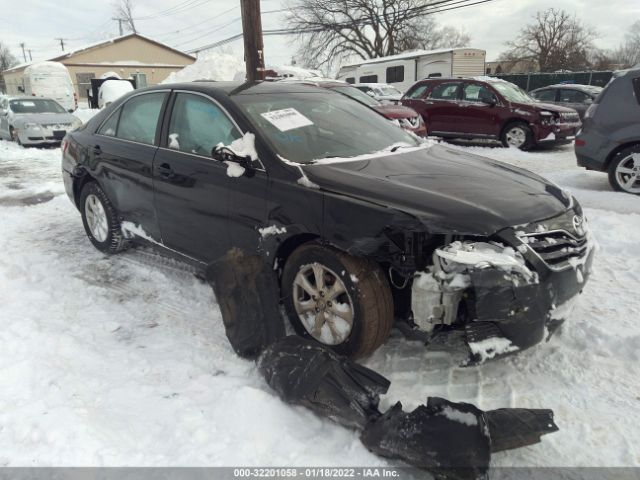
45, 118
396, 111
551, 107
449, 190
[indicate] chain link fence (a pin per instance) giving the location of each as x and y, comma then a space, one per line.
531, 81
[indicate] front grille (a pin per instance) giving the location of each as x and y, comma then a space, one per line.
569, 117
557, 248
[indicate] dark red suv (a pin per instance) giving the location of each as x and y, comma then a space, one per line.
489, 108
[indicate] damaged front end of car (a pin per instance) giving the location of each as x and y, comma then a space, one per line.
508, 292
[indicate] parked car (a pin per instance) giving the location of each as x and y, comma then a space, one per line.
489, 108
578, 97
34, 120
405, 117
610, 137
361, 223
380, 91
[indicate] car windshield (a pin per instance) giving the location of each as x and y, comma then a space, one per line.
513, 93
36, 105
358, 95
303, 127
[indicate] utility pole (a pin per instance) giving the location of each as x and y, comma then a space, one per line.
253, 45
61, 43
119, 24
24, 54
30, 57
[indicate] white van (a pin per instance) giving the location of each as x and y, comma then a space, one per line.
51, 80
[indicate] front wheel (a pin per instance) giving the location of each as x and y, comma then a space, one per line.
100, 220
624, 171
14, 137
341, 301
517, 135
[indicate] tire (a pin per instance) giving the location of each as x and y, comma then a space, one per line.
106, 237
624, 168
514, 131
366, 294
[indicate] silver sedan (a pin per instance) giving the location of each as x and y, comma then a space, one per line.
34, 121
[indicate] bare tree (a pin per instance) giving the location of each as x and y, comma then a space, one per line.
556, 40
7, 60
330, 30
123, 10
425, 33
628, 53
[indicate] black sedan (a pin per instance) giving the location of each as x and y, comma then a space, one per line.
365, 224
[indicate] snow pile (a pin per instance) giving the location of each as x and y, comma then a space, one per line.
490, 347
85, 114
244, 146
293, 71
209, 66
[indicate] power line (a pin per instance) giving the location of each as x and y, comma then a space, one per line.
180, 8
440, 6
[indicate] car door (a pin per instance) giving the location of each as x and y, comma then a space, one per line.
480, 109
122, 154
443, 109
202, 210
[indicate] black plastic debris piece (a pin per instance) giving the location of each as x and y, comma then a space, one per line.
449, 439
518, 427
247, 292
304, 372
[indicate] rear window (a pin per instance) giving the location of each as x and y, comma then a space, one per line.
417, 92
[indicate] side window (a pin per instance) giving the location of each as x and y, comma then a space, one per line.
636, 88
473, 92
548, 95
573, 96
351, 80
139, 118
197, 125
445, 91
369, 79
417, 92
110, 127
395, 74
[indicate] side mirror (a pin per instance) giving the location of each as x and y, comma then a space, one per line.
225, 154
490, 100
588, 101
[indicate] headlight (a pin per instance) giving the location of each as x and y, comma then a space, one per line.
547, 118
31, 126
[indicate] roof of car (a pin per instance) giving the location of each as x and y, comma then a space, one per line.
237, 88
371, 84
571, 86
27, 97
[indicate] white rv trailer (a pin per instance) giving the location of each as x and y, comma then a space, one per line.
405, 69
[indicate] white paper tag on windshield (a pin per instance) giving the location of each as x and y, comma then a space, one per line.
287, 119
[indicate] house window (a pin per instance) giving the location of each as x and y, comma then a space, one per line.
369, 79
351, 80
140, 78
489, 71
395, 74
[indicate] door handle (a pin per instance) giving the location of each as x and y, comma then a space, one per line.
97, 150
165, 170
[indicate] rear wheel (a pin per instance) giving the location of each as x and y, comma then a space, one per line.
100, 220
517, 135
624, 171
341, 301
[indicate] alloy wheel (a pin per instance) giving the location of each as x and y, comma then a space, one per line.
96, 218
516, 137
628, 173
322, 303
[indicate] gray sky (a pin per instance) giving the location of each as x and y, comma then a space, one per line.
187, 24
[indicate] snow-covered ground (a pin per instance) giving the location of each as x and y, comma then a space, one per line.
123, 360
